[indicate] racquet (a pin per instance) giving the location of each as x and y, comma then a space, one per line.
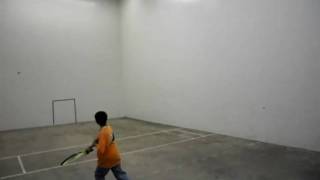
75, 157
80, 154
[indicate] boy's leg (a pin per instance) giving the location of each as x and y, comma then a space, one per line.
119, 173
100, 173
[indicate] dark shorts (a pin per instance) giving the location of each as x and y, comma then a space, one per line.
117, 171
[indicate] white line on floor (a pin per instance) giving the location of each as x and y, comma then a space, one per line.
21, 165
164, 145
148, 134
84, 145
8, 157
91, 160
189, 132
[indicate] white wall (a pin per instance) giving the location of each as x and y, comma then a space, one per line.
63, 49
243, 68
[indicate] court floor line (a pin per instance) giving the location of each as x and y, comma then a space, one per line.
189, 132
83, 145
91, 160
21, 165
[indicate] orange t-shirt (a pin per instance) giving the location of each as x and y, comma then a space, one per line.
107, 150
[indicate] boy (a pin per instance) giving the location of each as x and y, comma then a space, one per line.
107, 151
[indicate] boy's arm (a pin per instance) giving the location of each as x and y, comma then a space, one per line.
94, 143
104, 142
101, 143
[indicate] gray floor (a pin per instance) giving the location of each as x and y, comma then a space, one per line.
152, 152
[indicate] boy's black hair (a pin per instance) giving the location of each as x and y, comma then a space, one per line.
101, 118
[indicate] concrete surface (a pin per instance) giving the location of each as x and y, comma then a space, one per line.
153, 152
9, 166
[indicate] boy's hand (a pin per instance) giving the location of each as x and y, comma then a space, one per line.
95, 142
89, 149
